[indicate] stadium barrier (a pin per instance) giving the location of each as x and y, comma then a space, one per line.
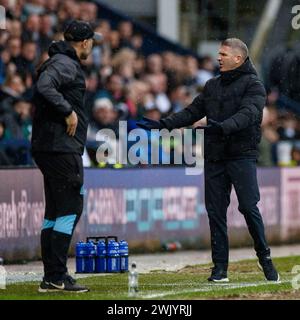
146, 206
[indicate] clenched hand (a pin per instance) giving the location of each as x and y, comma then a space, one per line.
71, 122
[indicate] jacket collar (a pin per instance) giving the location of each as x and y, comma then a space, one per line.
63, 47
246, 68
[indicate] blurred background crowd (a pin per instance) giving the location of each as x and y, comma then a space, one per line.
123, 83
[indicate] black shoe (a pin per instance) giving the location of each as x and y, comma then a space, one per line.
266, 265
69, 284
219, 273
46, 287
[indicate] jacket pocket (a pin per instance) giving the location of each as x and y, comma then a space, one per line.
214, 148
243, 141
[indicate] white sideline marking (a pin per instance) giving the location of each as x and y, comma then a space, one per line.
214, 286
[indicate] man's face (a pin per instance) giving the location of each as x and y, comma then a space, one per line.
17, 84
14, 47
229, 58
115, 84
86, 46
23, 109
29, 51
105, 115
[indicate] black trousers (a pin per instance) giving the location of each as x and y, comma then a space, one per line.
63, 185
219, 178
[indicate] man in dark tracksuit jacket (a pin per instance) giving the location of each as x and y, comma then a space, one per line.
58, 139
233, 104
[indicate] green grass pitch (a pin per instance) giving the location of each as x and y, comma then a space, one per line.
246, 282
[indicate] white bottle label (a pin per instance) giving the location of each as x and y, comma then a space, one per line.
3, 274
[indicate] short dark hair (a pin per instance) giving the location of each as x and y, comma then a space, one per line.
238, 44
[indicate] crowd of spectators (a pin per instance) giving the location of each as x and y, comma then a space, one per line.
280, 143
122, 83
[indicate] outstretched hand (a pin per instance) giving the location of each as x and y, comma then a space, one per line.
149, 124
213, 127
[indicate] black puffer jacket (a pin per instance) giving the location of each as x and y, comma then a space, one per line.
60, 88
235, 99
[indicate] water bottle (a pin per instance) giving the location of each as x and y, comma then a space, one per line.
123, 249
2, 275
101, 257
133, 281
113, 256
80, 256
89, 261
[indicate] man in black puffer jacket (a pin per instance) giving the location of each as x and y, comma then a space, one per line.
58, 139
233, 104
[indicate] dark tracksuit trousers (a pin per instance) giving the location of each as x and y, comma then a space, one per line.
63, 184
219, 178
